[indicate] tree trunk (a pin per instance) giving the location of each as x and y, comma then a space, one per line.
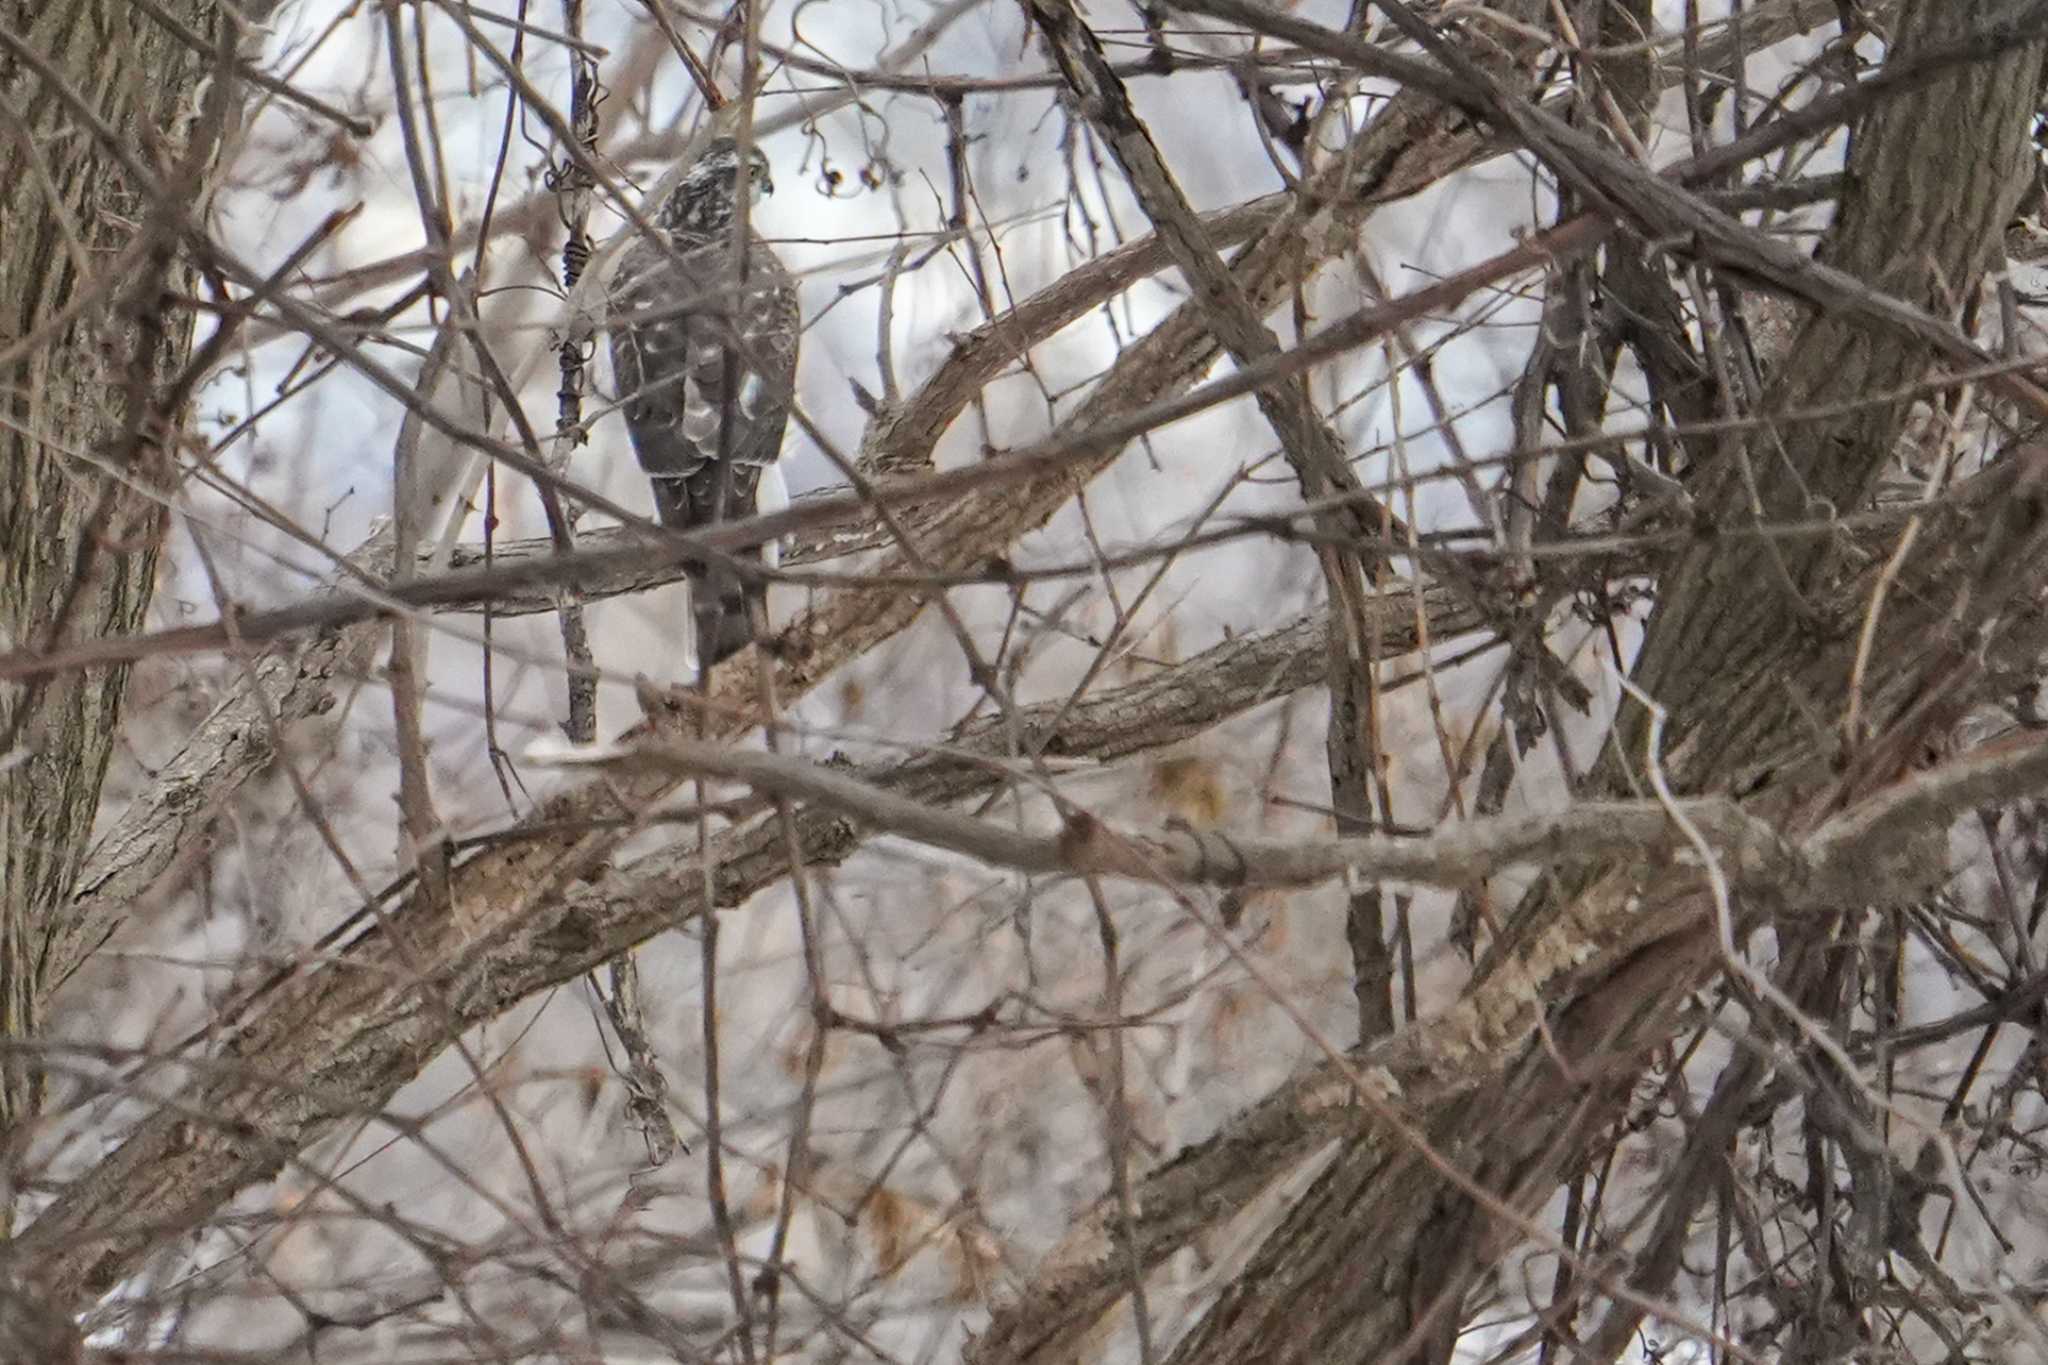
1374, 1263
81, 450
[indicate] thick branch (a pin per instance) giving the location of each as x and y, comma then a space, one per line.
1608, 971
356, 1028
522, 917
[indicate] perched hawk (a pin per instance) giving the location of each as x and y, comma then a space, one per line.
685, 325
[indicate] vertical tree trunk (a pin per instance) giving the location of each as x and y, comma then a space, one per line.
1375, 1261
78, 536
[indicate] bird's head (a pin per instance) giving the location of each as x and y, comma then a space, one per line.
703, 205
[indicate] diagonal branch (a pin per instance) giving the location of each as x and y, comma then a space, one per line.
1321, 464
502, 890
357, 1027
522, 917
1601, 963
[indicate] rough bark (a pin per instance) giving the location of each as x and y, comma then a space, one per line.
1374, 1263
1597, 953
306, 1049
1933, 182
78, 548
170, 1175
341, 1045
